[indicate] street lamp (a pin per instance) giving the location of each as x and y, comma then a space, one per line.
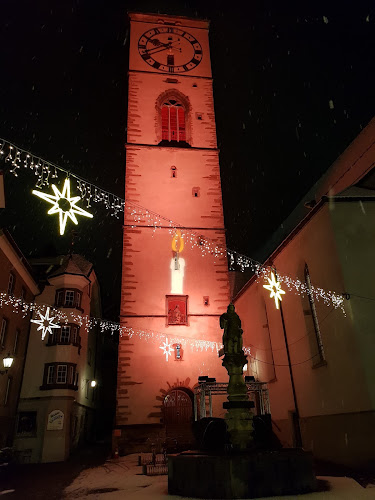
7, 362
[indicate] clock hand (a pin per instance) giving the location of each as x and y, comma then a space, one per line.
156, 42
155, 50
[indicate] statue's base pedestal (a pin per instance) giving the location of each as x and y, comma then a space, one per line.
250, 474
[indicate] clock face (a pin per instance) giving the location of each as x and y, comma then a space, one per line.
170, 50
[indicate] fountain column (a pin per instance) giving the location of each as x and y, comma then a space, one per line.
239, 417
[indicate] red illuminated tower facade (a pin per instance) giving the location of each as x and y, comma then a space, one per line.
174, 287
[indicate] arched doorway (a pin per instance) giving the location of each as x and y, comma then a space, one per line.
178, 418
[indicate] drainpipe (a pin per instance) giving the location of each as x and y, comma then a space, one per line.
297, 429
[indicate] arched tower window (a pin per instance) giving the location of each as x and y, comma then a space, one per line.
173, 121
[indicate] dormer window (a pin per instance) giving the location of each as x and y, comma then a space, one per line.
68, 298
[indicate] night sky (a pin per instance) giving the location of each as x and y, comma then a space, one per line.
276, 67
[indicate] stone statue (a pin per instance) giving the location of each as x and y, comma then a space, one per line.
239, 417
232, 336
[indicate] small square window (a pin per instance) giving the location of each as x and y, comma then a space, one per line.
65, 334
69, 298
196, 192
26, 422
61, 375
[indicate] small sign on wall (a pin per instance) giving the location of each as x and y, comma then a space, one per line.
55, 421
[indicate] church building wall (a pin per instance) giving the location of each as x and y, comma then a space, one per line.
332, 391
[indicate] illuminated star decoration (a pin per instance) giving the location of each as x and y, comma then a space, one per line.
45, 323
275, 288
63, 204
167, 348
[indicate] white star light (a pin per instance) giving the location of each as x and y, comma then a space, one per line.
275, 288
167, 348
45, 323
63, 204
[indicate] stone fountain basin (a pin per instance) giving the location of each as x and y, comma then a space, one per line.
250, 474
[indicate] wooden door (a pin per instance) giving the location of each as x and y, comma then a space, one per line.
178, 417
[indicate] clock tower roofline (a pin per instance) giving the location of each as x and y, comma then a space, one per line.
163, 19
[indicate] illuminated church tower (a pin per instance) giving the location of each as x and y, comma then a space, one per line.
174, 286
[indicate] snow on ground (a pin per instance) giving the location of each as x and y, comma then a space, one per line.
123, 478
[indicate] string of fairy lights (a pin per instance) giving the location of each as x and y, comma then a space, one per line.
49, 318
65, 204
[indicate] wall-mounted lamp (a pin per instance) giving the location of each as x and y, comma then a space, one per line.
7, 362
93, 383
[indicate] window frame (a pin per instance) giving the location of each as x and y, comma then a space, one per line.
51, 373
64, 372
11, 283
74, 336
174, 124
71, 302
3, 330
63, 330
169, 99
33, 418
74, 302
15, 343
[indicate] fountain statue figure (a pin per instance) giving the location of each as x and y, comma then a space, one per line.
232, 336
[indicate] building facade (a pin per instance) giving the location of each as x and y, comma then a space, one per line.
324, 398
16, 279
56, 411
174, 287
